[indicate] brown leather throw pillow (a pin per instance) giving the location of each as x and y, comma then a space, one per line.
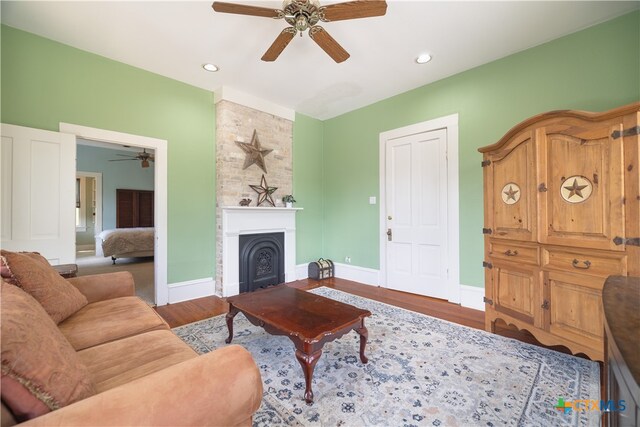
33, 273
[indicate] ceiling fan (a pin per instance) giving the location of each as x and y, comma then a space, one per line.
144, 158
303, 15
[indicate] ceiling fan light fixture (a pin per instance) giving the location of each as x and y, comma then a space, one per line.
145, 163
423, 58
211, 67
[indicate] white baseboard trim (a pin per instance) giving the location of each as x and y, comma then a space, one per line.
302, 271
191, 289
471, 297
368, 276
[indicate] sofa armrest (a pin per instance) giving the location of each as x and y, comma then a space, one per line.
221, 388
99, 287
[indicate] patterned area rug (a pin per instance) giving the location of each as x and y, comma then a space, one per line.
421, 371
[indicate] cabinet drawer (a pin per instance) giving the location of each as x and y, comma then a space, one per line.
585, 262
514, 252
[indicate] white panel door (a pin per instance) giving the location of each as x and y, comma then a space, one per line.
38, 192
416, 191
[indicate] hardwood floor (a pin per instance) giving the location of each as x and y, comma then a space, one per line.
191, 311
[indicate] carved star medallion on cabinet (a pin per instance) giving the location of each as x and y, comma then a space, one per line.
511, 193
576, 189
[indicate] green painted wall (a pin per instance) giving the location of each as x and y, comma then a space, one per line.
595, 69
44, 83
307, 187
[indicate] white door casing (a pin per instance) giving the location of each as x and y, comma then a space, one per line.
419, 190
38, 192
160, 192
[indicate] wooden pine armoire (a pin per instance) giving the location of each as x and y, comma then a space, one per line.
561, 212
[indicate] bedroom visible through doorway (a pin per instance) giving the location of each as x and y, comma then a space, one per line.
109, 226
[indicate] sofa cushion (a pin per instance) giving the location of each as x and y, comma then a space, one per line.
32, 272
122, 361
109, 320
41, 372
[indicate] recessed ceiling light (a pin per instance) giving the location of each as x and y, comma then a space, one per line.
210, 67
423, 59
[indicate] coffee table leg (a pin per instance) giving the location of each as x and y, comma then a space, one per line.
229, 317
308, 363
364, 334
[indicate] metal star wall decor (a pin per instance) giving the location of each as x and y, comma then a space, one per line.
264, 192
255, 153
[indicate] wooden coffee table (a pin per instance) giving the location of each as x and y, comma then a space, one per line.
308, 320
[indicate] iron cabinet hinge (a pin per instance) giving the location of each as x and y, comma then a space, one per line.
487, 300
632, 241
485, 163
542, 188
486, 264
487, 231
627, 132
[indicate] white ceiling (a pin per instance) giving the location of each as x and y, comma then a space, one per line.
175, 38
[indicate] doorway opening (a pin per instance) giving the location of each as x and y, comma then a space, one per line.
118, 153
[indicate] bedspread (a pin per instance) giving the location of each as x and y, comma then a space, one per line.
126, 240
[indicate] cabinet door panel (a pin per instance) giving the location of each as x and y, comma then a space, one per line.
575, 308
516, 292
584, 178
510, 187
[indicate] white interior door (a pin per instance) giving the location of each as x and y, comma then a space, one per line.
38, 192
416, 192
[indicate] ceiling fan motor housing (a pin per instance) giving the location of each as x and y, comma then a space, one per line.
301, 14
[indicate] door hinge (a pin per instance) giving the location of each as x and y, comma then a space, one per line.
487, 231
542, 188
632, 241
487, 300
485, 163
627, 132
486, 264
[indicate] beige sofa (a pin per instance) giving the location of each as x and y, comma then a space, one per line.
128, 367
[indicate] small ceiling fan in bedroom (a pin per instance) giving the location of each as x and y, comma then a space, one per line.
144, 158
303, 15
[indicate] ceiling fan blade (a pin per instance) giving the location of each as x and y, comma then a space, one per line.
242, 9
353, 10
328, 44
125, 155
121, 160
279, 44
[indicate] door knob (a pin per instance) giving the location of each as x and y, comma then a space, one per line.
389, 234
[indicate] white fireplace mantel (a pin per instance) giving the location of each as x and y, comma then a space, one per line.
237, 220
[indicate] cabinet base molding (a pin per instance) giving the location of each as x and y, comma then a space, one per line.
544, 337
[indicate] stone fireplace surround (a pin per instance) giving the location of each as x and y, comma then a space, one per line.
237, 220
237, 116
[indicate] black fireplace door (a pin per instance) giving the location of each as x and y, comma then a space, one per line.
261, 260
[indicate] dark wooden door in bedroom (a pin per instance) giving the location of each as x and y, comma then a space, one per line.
134, 208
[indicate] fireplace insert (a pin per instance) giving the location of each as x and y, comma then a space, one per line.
261, 260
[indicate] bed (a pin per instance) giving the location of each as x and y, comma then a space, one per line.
125, 242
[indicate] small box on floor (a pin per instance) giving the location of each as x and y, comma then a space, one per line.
321, 269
